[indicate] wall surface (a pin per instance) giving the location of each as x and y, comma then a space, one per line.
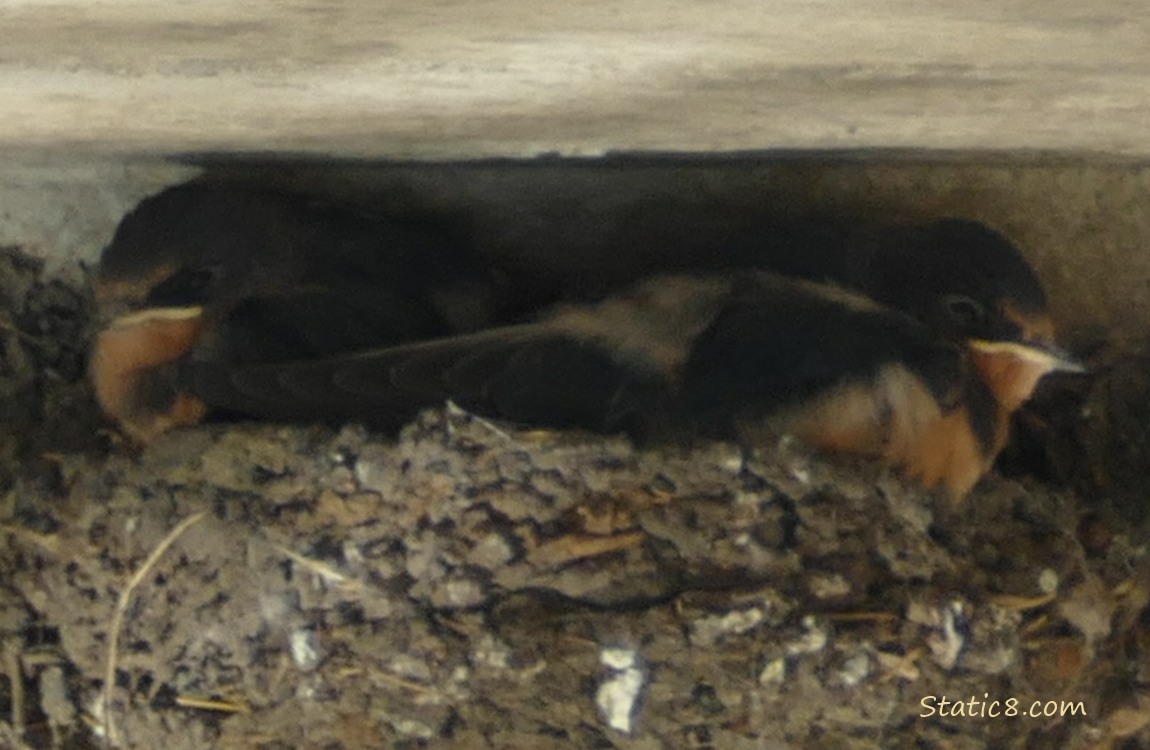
461, 78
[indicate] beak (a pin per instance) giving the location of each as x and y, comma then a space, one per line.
157, 315
1046, 355
1063, 361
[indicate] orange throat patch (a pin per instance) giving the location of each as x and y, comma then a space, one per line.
132, 352
1010, 371
895, 418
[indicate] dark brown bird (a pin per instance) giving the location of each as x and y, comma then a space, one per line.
728, 354
224, 272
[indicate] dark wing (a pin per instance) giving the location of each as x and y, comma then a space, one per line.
780, 343
770, 344
532, 374
285, 276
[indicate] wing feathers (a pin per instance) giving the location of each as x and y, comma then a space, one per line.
759, 346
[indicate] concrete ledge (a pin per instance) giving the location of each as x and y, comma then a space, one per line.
456, 78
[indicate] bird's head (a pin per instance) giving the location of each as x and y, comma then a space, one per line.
970, 283
174, 258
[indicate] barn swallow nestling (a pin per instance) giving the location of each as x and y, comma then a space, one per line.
954, 274
728, 354
238, 274
960, 277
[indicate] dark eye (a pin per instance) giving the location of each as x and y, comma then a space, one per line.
963, 311
188, 286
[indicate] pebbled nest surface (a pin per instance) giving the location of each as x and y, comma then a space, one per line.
469, 585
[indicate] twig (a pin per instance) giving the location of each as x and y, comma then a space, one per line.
122, 608
212, 704
320, 568
16, 677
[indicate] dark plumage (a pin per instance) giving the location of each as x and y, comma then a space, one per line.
264, 276
728, 354
911, 342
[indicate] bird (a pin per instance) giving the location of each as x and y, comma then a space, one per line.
243, 273
740, 354
957, 275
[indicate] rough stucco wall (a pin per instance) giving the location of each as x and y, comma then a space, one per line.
65, 211
517, 78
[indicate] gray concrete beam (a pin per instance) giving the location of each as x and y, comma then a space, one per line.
460, 78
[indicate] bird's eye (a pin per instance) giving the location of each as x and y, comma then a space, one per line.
187, 286
964, 311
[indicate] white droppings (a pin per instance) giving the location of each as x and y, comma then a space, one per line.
95, 710
800, 473
617, 657
705, 631
491, 652
812, 641
828, 586
618, 694
732, 462
461, 592
774, 673
945, 646
413, 728
305, 649
854, 670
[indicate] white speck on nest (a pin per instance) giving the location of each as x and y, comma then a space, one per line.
946, 646
705, 631
413, 728
854, 670
305, 649
800, 473
774, 673
732, 461
489, 651
617, 657
618, 695
1048, 581
810, 642
462, 592
828, 586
